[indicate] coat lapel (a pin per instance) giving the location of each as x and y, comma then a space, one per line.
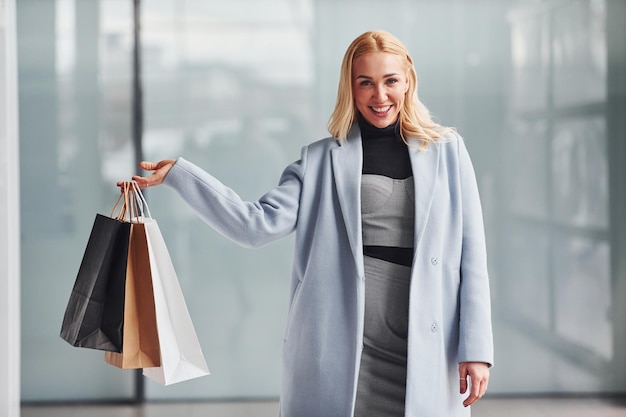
425, 165
347, 161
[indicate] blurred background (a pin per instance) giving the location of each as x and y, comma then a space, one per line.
537, 89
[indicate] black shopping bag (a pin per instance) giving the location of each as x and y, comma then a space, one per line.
95, 311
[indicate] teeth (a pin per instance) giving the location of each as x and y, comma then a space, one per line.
381, 109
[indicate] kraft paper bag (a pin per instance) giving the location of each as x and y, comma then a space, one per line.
181, 355
140, 348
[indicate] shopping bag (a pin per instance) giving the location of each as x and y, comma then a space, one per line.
95, 311
140, 348
181, 355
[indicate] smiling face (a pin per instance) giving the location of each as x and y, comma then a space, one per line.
379, 86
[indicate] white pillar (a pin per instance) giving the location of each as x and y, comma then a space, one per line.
9, 217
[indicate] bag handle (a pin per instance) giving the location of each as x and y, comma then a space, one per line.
141, 200
123, 198
129, 210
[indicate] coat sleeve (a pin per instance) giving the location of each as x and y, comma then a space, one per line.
250, 224
475, 337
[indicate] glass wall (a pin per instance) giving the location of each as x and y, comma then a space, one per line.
555, 213
65, 95
238, 88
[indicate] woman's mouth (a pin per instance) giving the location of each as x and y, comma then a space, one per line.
381, 111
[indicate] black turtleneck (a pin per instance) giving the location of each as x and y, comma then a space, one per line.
384, 151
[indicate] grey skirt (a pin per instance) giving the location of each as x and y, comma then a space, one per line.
382, 374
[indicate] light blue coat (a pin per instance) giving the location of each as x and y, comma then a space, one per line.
318, 197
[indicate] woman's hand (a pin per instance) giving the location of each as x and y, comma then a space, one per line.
478, 372
159, 171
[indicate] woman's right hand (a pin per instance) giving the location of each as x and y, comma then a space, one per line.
159, 171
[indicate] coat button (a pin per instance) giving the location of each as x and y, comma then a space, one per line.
434, 327
434, 260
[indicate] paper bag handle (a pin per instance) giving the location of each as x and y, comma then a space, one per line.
141, 200
129, 210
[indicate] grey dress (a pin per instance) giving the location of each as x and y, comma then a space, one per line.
387, 209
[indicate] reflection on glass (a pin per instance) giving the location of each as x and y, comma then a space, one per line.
62, 188
583, 283
115, 78
530, 61
525, 293
579, 49
527, 170
580, 174
555, 290
228, 87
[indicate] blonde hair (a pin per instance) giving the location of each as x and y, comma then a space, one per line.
415, 121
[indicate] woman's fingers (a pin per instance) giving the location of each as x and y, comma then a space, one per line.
148, 166
159, 171
478, 373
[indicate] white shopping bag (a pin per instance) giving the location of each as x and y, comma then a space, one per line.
181, 355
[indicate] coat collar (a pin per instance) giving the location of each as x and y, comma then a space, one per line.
347, 163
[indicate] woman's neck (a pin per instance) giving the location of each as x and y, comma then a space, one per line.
370, 131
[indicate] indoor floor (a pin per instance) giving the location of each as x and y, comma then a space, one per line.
488, 407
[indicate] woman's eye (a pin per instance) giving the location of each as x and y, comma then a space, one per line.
366, 82
392, 81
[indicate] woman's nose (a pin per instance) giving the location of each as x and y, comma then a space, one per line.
379, 93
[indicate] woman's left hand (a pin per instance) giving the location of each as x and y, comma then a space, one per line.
478, 373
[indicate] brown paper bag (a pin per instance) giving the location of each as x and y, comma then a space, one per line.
140, 343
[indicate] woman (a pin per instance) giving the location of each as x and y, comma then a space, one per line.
389, 310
